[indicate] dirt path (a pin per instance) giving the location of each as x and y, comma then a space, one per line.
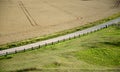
57, 39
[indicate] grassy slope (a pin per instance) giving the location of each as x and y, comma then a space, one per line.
99, 50
33, 40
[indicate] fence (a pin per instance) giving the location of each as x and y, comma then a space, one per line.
59, 39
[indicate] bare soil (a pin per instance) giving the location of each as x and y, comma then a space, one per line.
23, 19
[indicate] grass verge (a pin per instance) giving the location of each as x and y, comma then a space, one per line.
36, 39
95, 51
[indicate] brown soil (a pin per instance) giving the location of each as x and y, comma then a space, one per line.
23, 19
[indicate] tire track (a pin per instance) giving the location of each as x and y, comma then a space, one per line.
27, 14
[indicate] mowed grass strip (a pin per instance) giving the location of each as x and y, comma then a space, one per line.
96, 51
36, 39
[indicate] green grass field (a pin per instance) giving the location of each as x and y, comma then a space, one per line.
95, 52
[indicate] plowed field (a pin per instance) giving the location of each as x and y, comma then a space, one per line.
23, 19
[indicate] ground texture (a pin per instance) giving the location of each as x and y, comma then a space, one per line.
23, 19
95, 52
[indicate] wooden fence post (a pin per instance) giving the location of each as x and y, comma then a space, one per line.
106, 26
63, 39
6, 54
45, 44
39, 46
32, 48
24, 49
52, 43
15, 51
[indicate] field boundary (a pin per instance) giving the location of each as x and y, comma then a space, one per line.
37, 39
60, 38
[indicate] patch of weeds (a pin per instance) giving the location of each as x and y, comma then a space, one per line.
53, 65
112, 43
90, 45
53, 48
57, 64
5, 57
